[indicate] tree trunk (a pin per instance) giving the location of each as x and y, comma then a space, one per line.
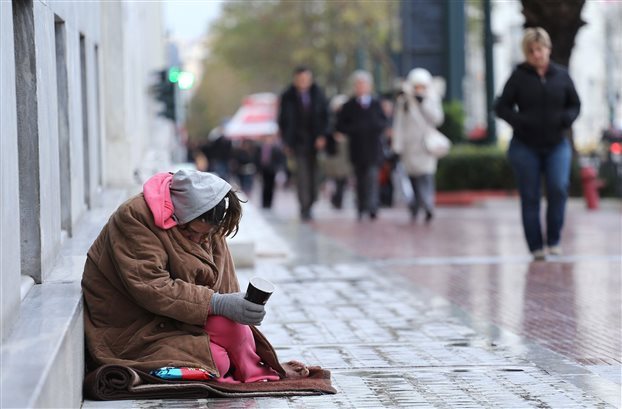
561, 19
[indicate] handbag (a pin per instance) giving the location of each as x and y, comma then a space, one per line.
437, 144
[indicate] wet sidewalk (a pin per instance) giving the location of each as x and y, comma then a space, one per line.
453, 314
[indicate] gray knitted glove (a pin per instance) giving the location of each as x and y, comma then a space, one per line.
236, 308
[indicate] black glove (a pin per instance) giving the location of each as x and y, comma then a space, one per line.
395, 157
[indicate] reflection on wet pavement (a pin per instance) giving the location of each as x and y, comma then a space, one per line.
571, 308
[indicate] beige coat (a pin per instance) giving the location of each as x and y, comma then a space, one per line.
147, 294
409, 129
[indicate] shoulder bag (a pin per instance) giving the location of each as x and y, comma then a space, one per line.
437, 144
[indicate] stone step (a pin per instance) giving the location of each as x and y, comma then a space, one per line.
256, 239
43, 357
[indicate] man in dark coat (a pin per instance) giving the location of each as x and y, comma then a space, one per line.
303, 121
363, 121
218, 151
270, 160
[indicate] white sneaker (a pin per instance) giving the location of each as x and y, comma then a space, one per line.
555, 250
538, 255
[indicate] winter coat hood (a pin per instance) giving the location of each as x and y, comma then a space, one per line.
157, 193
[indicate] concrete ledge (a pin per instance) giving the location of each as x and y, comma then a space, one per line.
242, 251
256, 239
43, 358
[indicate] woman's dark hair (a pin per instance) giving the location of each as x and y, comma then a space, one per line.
225, 215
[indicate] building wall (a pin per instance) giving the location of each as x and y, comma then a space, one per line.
133, 131
590, 71
10, 260
47, 117
87, 97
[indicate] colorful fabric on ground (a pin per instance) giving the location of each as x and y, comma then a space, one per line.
183, 373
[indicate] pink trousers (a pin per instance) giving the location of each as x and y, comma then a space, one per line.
233, 344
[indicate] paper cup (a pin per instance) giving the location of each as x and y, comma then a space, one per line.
259, 290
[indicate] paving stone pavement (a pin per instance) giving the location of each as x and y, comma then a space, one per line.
391, 342
389, 348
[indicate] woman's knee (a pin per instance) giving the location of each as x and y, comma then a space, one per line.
223, 330
557, 190
530, 196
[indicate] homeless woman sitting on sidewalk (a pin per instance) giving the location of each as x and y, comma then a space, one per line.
160, 288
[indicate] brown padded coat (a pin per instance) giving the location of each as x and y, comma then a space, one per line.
147, 293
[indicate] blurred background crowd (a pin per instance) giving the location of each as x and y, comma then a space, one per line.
244, 59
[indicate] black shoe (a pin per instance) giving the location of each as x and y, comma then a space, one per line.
305, 216
413, 217
336, 204
428, 217
373, 215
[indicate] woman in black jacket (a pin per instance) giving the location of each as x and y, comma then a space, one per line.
540, 102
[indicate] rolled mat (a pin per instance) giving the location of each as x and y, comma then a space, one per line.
116, 382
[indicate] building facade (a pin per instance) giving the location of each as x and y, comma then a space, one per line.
76, 119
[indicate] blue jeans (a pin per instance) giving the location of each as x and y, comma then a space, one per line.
529, 166
424, 192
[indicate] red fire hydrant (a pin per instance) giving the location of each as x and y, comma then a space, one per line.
591, 184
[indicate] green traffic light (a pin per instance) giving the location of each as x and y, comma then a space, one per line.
173, 74
185, 80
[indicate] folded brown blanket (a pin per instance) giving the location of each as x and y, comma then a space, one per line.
115, 382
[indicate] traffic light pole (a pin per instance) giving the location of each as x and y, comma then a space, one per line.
180, 136
491, 134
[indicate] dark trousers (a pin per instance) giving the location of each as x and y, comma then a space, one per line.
306, 181
337, 196
367, 189
268, 177
423, 193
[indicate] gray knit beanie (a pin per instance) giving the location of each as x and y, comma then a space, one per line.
194, 193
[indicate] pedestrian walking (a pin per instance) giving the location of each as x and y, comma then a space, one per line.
337, 166
302, 120
363, 121
218, 151
160, 288
418, 111
270, 160
244, 166
540, 102
388, 163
